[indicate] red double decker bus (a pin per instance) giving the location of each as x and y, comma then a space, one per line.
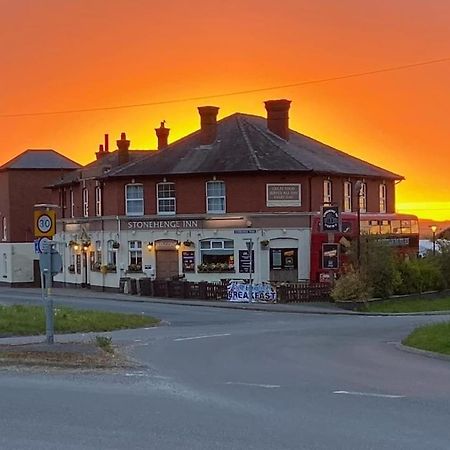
401, 231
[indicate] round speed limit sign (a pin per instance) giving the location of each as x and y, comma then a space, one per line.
44, 223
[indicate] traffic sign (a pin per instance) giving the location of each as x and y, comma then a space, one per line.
44, 223
39, 244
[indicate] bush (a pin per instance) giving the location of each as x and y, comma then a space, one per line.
351, 286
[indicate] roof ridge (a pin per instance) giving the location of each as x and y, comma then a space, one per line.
268, 135
247, 141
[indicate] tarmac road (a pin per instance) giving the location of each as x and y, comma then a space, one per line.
235, 379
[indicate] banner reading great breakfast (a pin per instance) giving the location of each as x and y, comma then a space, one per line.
261, 292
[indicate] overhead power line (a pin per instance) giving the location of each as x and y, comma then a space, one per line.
229, 94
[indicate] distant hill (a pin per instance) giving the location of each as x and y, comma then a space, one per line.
425, 224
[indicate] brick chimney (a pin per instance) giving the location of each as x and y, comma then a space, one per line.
101, 152
103, 149
278, 117
208, 124
123, 146
162, 134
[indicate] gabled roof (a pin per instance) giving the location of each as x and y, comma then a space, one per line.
40, 159
244, 144
99, 167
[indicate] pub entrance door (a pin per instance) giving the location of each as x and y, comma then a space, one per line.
166, 264
284, 264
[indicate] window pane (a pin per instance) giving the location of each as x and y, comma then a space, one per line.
229, 244
167, 205
135, 191
215, 188
166, 190
216, 204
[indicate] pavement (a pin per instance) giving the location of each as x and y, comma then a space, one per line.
297, 308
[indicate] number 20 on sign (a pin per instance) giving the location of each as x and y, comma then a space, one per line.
44, 223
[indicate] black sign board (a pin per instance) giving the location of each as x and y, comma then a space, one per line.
331, 218
330, 256
188, 261
245, 262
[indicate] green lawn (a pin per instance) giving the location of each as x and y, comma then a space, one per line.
435, 338
409, 305
20, 320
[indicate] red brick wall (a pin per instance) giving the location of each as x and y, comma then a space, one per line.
27, 188
244, 193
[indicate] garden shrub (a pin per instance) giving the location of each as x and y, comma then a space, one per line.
351, 286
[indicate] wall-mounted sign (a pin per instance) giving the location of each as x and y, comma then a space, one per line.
245, 262
249, 231
330, 256
331, 220
283, 194
188, 261
163, 224
165, 244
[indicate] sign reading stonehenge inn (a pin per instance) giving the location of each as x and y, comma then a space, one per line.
283, 194
163, 224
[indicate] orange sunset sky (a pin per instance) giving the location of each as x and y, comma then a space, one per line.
61, 55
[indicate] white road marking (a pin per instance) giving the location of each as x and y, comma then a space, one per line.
201, 337
135, 374
368, 394
265, 386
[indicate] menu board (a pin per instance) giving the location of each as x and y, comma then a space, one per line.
188, 261
245, 262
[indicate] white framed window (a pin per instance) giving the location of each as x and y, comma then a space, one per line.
98, 200
98, 252
134, 200
347, 196
382, 198
135, 255
4, 229
111, 255
166, 201
85, 202
215, 197
217, 255
363, 198
72, 204
327, 192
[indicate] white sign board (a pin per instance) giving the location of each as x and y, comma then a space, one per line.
261, 292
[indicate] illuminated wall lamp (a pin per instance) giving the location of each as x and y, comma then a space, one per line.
178, 245
150, 246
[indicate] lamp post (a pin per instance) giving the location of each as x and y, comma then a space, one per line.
358, 187
433, 230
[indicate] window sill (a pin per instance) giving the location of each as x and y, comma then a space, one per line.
216, 271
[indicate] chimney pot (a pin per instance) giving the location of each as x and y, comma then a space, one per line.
106, 143
162, 134
278, 117
101, 152
208, 124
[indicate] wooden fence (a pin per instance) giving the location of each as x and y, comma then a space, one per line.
286, 292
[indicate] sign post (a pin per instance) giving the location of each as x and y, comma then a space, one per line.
50, 261
249, 244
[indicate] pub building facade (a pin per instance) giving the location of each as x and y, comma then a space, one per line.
194, 208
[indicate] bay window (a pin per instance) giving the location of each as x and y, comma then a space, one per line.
216, 255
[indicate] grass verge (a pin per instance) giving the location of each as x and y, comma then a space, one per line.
434, 338
21, 320
409, 305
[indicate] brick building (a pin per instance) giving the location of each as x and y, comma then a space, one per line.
23, 182
188, 208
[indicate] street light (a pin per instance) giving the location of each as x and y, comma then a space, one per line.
434, 229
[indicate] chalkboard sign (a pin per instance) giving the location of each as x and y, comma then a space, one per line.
78, 265
245, 262
188, 261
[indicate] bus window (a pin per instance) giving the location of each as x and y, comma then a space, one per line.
395, 225
385, 227
414, 227
405, 227
365, 227
374, 227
